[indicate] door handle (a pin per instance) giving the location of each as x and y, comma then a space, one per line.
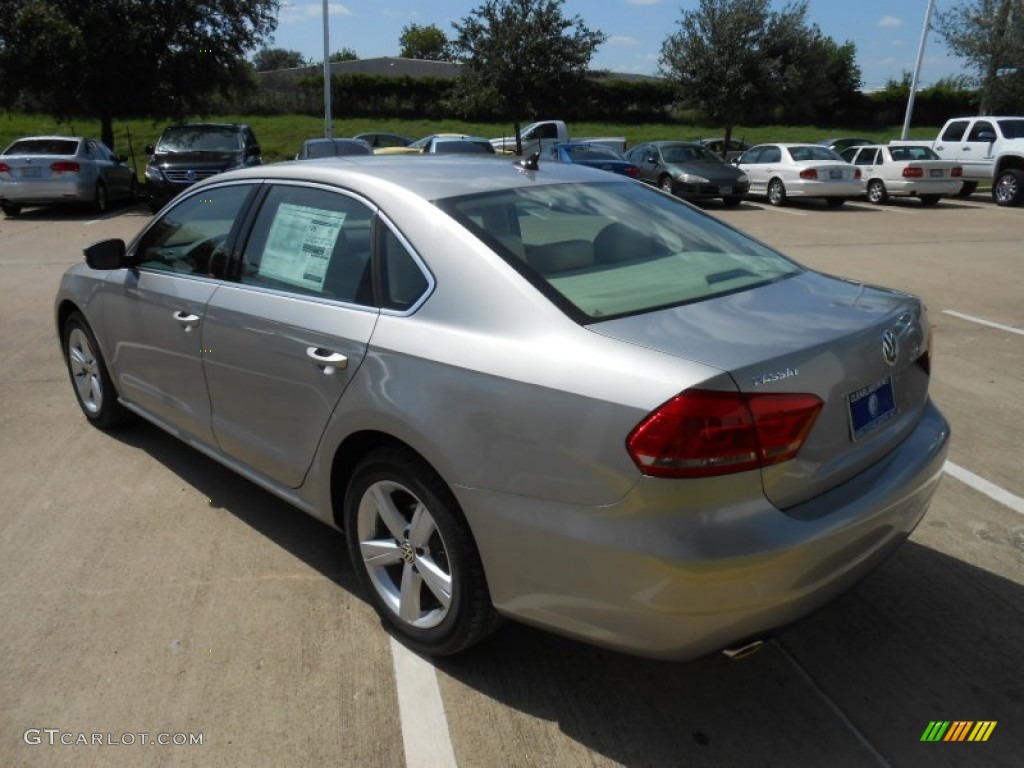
187, 319
327, 359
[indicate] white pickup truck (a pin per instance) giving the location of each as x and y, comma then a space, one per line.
542, 134
987, 148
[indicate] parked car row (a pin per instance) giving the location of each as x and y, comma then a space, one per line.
54, 169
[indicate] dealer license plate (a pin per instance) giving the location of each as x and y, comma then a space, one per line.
936, 172
30, 172
835, 174
872, 406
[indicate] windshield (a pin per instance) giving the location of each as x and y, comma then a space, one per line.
1012, 129
200, 138
606, 249
688, 153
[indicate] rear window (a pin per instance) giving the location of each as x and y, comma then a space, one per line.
603, 250
43, 147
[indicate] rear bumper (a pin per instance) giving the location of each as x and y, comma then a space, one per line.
679, 569
918, 187
824, 188
46, 191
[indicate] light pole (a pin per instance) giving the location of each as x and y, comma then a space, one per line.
328, 127
917, 69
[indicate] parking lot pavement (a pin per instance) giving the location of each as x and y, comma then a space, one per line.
146, 590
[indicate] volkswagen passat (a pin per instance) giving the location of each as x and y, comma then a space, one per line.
541, 393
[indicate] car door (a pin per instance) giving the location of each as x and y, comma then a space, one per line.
750, 163
283, 342
108, 169
158, 308
975, 154
647, 159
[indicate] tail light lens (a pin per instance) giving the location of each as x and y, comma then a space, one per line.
65, 166
633, 172
913, 173
808, 173
702, 433
956, 172
4, 168
856, 173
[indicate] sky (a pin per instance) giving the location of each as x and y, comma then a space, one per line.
887, 33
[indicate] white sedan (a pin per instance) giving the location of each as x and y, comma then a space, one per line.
905, 171
781, 171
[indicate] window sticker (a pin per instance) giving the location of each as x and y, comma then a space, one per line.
300, 245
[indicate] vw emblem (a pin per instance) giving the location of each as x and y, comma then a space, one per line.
890, 348
190, 176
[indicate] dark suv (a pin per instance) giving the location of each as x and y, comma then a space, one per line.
193, 151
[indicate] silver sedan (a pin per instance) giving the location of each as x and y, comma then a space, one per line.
44, 170
529, 392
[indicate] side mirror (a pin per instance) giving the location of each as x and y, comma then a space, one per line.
149, 149
122, 158
986, 136
106, 254
651, 158
255, 150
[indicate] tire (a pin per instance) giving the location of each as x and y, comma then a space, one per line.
877, 193
967, 189
732, 201
99, 203
133, 191
776, 192
835, 202
1008, 187
90, 380
10, 209
401, 522
665, 184
930, 200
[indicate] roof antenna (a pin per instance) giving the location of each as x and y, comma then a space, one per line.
529, 163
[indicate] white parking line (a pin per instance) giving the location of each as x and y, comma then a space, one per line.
980, 321
766, 207
425, 735
993, 491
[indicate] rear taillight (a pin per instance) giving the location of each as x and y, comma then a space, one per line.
808, 173
633, 172
913, 173
956, 172
856, 173
702, 433
4, 168
65, 166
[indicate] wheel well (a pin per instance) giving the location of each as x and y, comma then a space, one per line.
351, 451
1010, 161
63, 311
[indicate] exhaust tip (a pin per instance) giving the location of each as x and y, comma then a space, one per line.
743, 651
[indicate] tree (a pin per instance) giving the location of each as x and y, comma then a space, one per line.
735, 59
268, 59
118, 58
428, 43
345, 54
989, 34
521, 57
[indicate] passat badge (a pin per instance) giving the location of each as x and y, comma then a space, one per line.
768, 378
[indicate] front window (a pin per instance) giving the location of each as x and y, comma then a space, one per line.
602, 250
200, 138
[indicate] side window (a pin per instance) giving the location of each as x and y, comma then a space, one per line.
866, 157
980, 127
771, 155
403, 280
751, 156
191, 238
955, 131
313, 242
547, 131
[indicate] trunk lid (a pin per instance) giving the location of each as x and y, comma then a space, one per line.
859, 348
